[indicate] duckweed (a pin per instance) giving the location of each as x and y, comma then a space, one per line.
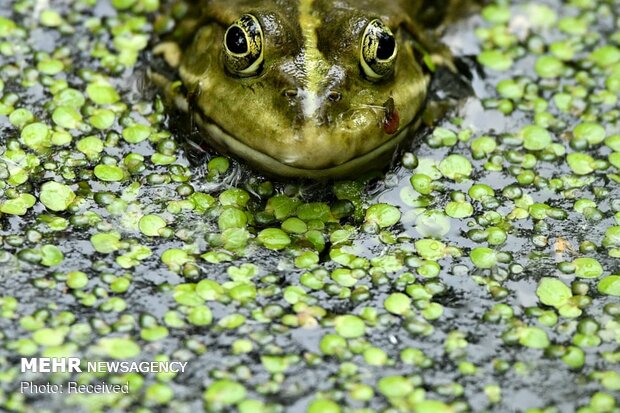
136, 133
67, 117
105, 243
610, 285
109, 173
395, 386
49, 337
119, 348
580, 163
483, 257
533, 337
223, 393
102, 119
397, 303
587, 268
495, 60
151, 225
36, 136
56, 196
51, 255
591, 132
77, 280
274, 238
323, 406
553, 292
350, 326
91, 146
486, 251
383, 215
455, 167
549, 67
332, 344
19, 205
535, 138
102, 93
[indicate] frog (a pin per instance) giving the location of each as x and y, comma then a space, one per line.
310, 89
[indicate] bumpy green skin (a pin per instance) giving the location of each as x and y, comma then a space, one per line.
312, 47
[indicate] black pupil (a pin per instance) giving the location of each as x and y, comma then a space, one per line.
235, 40
386, 46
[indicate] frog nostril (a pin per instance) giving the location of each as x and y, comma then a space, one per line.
290, 93
334, 96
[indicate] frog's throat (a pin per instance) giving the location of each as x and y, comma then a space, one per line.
224, 142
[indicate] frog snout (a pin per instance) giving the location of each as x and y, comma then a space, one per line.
312, 105
332, 95
290, 93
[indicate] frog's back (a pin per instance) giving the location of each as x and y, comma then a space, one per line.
427, 13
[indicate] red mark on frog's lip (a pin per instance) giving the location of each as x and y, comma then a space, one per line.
391, 122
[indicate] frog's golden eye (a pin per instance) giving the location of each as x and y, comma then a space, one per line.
377, 51
243, 46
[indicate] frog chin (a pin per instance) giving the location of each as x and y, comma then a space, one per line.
374, 159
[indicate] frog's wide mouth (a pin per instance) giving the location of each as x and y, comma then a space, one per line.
225, 142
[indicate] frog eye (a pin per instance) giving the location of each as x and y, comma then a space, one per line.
243, 46
377, 51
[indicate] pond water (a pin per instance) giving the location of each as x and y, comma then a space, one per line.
480, 272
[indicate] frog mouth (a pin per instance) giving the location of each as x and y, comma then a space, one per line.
227, 143
224, 142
